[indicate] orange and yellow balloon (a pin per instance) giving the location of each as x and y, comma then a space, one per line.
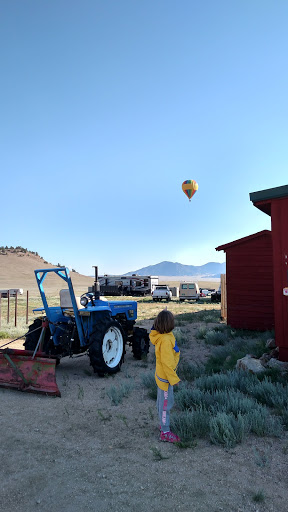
189, 188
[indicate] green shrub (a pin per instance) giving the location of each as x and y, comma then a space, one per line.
233, 402
214, 337
235, 379
284, 415
227, 430
188, 398
258, 497
191, 424
116, 394
225, 357
188, 371
148, 380
212, 317
262, 423
180, 336
272, 394
201, 333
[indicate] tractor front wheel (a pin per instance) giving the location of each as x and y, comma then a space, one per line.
106, 346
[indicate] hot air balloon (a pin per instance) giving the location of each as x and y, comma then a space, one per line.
189, 188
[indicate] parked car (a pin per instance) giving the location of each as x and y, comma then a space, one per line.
162, 292
216, 296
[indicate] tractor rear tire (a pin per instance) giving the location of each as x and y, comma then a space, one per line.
32, 338
107, 345
140, 343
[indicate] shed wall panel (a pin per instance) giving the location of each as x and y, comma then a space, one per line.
279, 215
250, 294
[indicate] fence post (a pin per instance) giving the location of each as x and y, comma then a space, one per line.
27, 302
8, 306
16, 296
0, 307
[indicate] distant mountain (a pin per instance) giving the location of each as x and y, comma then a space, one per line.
167, 268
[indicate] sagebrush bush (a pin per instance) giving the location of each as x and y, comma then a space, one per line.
272, 394
211, 318
258, 497
148, 380
227, 398
117, 393
284, 414
191, 424
233, 379
226, 429
225, 357
214, 337
180, 336
188, 398
262, 423
233, 402
188, 371
201, 333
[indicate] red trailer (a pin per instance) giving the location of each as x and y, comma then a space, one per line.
249, 282
274, 202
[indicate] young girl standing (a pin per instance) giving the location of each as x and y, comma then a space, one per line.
167, 358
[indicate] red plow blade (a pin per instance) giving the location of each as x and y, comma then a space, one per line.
19, 370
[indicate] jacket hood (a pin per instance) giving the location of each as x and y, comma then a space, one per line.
156, 337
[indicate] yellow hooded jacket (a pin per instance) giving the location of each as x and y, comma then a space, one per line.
167, 358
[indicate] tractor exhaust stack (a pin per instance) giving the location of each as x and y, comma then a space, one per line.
96, 287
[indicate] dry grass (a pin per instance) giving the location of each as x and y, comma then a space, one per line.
147, 310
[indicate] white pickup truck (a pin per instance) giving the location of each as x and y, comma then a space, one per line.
162, 292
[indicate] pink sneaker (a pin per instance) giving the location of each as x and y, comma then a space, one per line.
169, 437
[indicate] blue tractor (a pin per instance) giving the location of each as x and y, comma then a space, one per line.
87, 324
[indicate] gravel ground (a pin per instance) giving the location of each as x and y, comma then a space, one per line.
81, 453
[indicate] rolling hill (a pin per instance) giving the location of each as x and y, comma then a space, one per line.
17, 271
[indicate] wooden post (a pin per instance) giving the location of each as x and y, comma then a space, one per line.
16, 296
27, 309
8, 306
223, 297
0, 307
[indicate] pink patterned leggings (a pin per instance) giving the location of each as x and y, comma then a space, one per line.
165, 401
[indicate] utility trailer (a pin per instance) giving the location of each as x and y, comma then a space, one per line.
133, 285
11, 291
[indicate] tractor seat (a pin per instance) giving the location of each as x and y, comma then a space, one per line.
65, 300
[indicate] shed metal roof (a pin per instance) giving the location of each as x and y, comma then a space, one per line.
262, 199
269, 193
224, 247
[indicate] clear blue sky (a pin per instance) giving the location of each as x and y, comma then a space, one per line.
108, 106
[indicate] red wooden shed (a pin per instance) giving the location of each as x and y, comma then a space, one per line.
274, 202
249, 282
